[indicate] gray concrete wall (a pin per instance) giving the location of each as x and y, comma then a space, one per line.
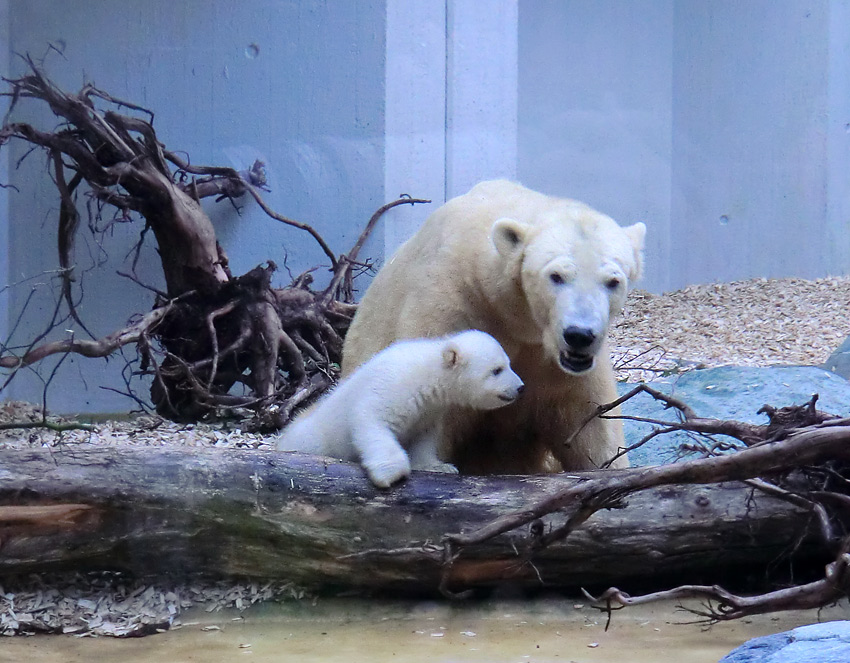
298, 84
595, 104
721, 124
451, 102
481, 93
751, 142
837, 230
415, 114
4, 179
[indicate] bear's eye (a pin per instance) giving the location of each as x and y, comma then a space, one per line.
612, 284
556, 278
497, 371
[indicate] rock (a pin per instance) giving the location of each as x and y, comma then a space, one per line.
817, 643
728, 392
839, 361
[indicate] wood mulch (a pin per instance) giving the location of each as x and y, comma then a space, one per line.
759, 322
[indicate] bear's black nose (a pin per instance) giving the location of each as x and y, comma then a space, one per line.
520, 389
579, 338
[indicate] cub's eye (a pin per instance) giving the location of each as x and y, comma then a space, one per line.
556, 278
612, 284
497, 371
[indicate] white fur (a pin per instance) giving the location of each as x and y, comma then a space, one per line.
545, 276
388, 413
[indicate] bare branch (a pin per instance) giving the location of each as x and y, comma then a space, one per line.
59, 427
100, 348
290, 222
69, 220
803, 448
834, 586
223, 310
342, 274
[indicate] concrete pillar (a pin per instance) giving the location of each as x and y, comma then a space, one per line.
481, 92
451, 102
415, 114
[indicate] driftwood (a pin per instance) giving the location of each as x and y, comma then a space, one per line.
321, 523
213, 340
780, 499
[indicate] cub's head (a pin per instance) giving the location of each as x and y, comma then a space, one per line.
478, 371
574, 266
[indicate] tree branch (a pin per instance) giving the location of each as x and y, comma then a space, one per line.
834, 586
342, 274
803, 448
100, 348
291, 222
49, 425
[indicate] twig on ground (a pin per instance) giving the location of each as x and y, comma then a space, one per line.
834, 586
340, 286
58, 427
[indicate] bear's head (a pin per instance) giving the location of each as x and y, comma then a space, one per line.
574, 266
479, 371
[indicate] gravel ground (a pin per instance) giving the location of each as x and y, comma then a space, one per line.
755, 323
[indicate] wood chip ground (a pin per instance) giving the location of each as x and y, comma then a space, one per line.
760, 322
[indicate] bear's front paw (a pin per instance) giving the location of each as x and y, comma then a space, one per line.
387, 471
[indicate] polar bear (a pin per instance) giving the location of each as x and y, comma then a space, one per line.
542, 275
388, 413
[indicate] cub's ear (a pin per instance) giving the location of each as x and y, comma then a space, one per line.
508, 236
451, 355
636, 234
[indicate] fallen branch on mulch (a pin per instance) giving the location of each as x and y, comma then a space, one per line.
801, 456
254, 513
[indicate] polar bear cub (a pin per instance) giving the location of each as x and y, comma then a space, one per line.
388, 413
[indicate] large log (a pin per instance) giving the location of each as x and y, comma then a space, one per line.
320, 523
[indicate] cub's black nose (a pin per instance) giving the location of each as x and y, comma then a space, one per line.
520, 389
579, 338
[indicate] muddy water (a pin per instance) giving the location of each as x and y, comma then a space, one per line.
350, 631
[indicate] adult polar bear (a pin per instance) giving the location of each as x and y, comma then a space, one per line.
542, 275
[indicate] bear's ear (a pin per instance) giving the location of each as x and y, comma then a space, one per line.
508, 236
636, 234
451, 355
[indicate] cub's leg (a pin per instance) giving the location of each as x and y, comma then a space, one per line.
380, 454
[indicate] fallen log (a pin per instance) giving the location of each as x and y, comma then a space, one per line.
321, 524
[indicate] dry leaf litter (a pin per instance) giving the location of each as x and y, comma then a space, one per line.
758, 322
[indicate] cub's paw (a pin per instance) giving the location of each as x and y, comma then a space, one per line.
440, 466
387, 471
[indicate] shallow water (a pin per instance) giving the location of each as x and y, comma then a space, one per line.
358, 630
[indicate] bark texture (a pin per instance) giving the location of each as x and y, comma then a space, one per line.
321, 523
